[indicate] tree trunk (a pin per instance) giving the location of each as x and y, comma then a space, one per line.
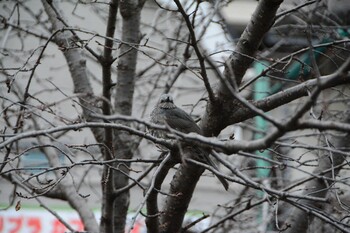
124, 145
215, 118
106, 224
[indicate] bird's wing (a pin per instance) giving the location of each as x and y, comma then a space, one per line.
178, 119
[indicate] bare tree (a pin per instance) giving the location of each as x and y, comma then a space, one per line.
78, 80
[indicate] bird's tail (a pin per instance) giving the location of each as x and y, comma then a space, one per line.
221, 179
205, 157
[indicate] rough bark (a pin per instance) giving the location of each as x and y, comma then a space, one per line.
152, 219
106, 61
214, 119
182, 187
123, 143
77, 68
218, 112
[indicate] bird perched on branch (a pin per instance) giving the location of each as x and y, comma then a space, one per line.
167, 113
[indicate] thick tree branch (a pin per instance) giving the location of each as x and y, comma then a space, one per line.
124, 143
286, 96
177, 202
152, 218
249, 42
216, 114
106, 61
213, 121
77, 67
